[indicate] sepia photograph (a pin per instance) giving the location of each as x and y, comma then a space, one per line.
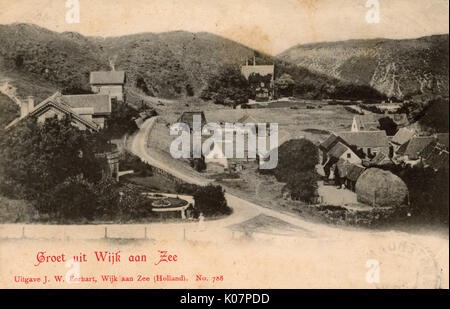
224, 144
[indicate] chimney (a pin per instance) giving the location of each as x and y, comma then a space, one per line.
23, 108
30, 103
26, 106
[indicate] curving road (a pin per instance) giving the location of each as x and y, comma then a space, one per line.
242, 209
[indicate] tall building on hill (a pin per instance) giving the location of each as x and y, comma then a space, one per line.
111, 83
261, 79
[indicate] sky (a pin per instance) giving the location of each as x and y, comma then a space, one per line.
271, 26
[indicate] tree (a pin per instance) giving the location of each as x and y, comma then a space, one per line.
297, 160
228, 87
435, 116
8, 111
303, 186
210, 200
73, 199
285, 85
121, 121
388, 125
39, 157
296, 156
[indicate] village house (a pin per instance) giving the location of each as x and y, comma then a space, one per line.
367, 143
86, 112
435, 155
363, 143
431, 150
347, 174
55, 105
327, 145
364, 123
340, 152
402, 136
95, 107
111, 83
264, 89
410, 151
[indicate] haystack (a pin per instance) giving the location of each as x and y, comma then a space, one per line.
381, 188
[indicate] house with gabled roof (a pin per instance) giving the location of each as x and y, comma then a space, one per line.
111, 83
402, 136
347, 173
95, 107
436, 156
327, 145
53, 106
365, 123
340, 152
411, 150
369, 143
262, 79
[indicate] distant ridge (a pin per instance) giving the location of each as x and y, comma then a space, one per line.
397, 68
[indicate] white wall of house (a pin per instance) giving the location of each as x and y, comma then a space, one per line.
351, 157
114, 91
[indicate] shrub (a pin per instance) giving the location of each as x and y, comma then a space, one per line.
74, 199
228, 87
210, 200
129, 161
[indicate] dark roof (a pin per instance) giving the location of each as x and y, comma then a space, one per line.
435, 155
107, 78
349, 170
338, 150
369, 139
367, 122
188, 118
354, 171
100, 102
402, 136
330, 142
379, 159
416, 145
438, 159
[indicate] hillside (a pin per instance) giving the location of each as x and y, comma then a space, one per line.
173, 63
37, 61
397, 68
34, 57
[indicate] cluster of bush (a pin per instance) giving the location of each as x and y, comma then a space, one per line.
55, 167
8, 111
209, 200
428, 191
228, 87
297, 160
129, 161
121, 121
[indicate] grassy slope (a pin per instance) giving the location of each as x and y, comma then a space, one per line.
394, 67
168, 65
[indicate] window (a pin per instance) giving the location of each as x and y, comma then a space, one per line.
349, 155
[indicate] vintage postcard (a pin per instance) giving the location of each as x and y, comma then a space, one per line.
224, 144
